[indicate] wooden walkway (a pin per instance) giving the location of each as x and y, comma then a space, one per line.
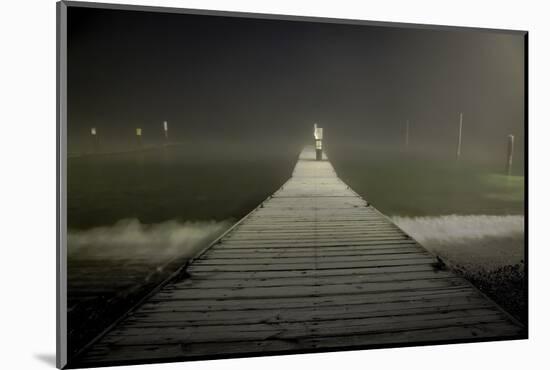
314, 267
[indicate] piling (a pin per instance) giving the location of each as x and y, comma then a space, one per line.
95, 140
510, 155
138, 137
318, 135
407, 135
459, 144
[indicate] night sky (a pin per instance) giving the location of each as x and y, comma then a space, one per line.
237, 79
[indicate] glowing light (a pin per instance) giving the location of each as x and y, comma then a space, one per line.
318, 133
165, 126
94, 132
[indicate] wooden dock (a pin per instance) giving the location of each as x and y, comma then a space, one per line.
313, 268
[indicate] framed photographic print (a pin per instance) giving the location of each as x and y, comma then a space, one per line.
234, 184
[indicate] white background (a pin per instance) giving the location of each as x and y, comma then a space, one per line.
27, 144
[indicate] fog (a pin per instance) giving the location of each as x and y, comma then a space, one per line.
222, 81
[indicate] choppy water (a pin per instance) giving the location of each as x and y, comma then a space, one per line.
479, 241
129, 238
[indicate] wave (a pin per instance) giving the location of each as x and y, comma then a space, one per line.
130, 239
482, 240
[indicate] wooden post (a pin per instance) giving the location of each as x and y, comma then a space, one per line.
138, 136
510, 155
407, 135
318, 135
95, 139
459, 144
318, 150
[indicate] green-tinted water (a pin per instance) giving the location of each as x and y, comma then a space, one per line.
421, 186
170, 183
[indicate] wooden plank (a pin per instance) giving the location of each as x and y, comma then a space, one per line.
312, 301
318, 259
382, 245
363, 244
375, 235
290, 254
109, 354
291, 330
310, 266
300, 291
160, 313
321, 243
209, 281
365, 236
275, 274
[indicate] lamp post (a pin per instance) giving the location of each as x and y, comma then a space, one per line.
138, 136
318, 135
459, 143
407, 135
510, 155
95, 139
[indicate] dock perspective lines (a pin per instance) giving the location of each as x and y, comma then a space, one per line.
315, 267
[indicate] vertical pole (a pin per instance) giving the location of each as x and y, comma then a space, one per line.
510, 155
166, 130
459, 145
95, 139
138, 136
318, 150
407, 135
318, 135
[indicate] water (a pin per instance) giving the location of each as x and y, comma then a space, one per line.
174, 183
407, 185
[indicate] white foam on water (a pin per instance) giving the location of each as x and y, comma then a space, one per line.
129, 239
483, 240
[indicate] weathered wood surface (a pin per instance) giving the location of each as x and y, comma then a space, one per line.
315, 267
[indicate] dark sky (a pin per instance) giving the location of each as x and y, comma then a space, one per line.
226, 78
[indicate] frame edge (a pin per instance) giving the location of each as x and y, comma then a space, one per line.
61, 190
